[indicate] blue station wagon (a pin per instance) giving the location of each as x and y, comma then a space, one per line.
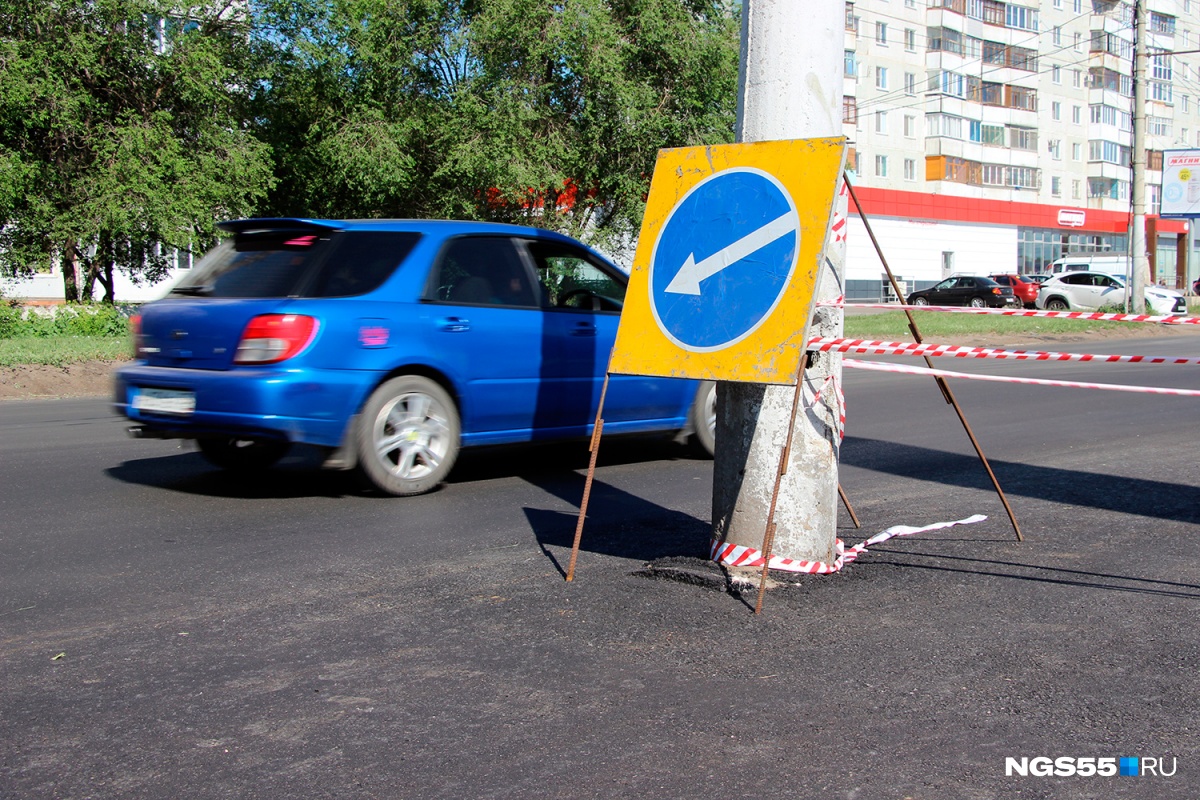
391, 344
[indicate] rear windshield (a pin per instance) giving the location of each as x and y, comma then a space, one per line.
298, 264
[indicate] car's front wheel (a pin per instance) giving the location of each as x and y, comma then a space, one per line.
920, 301
241, 455
408, 436
704, 418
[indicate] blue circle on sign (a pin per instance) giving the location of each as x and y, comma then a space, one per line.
723, 259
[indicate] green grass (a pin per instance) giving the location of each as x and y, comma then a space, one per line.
894, 325
61, 350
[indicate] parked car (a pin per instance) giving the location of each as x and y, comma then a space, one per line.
1025, 289
1037, 277
965, 290
1090, 291
391, 345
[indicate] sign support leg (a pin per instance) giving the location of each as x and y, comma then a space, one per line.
941, 382
769, 533
587, 485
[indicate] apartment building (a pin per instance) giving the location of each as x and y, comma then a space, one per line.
991, 136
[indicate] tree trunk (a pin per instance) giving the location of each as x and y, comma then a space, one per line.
70, 271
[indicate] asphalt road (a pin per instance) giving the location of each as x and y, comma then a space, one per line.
166, 631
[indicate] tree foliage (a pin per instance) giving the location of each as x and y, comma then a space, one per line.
122, 134
130, 127
522, 110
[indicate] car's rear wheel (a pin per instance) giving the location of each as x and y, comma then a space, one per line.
1057, 304
704, 418
920, 301
241, 455
977, 302
408, 436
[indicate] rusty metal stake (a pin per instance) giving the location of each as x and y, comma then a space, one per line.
769, 533
846, 503
587, 485
941, 382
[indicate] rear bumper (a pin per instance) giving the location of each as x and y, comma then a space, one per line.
298, 405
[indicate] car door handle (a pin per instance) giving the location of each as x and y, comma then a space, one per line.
455, 324
583, 329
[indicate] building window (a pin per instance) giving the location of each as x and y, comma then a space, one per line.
881, 122
849, 110
1076, 115
1078, 42
1056, 149
910, 83
1056, 36
1022, 138
1056, 186
910, 169
850, 65
1022, 18
1183, 103
1077, 79
1075, 190
881, 33
910, 126
1078, 7
910, 40
1158, 126
1055, 110
1161, 23
1056, 74
881, 166
1076, 151
881, 81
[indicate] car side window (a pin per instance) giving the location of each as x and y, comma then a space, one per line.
966, 283
570, 279
949, 283
482, 270
1076, 280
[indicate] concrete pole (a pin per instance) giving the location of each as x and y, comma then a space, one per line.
790, 87
1139, 266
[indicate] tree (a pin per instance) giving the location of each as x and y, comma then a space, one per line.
122, 135
522, 110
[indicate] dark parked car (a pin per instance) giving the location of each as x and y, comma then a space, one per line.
391, 344
965, 290
1025, 289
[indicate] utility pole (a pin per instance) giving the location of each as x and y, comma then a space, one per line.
1139, 264
790, 87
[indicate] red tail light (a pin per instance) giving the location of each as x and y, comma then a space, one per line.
135, 328
271, 338
997, 290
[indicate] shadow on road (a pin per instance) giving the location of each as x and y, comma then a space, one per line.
1148, 498
1050, 575
618, 524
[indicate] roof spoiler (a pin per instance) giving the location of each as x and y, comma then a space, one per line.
239, 226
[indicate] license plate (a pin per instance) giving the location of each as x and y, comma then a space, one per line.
164, 401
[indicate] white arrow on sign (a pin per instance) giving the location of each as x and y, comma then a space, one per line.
687, 280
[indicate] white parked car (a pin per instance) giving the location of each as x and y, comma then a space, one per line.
1090, 291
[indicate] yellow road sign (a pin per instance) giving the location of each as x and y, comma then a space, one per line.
726, 266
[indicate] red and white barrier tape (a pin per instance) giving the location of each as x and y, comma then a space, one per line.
740, 556
831, 379
877, 366
1022, 312
840, 345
